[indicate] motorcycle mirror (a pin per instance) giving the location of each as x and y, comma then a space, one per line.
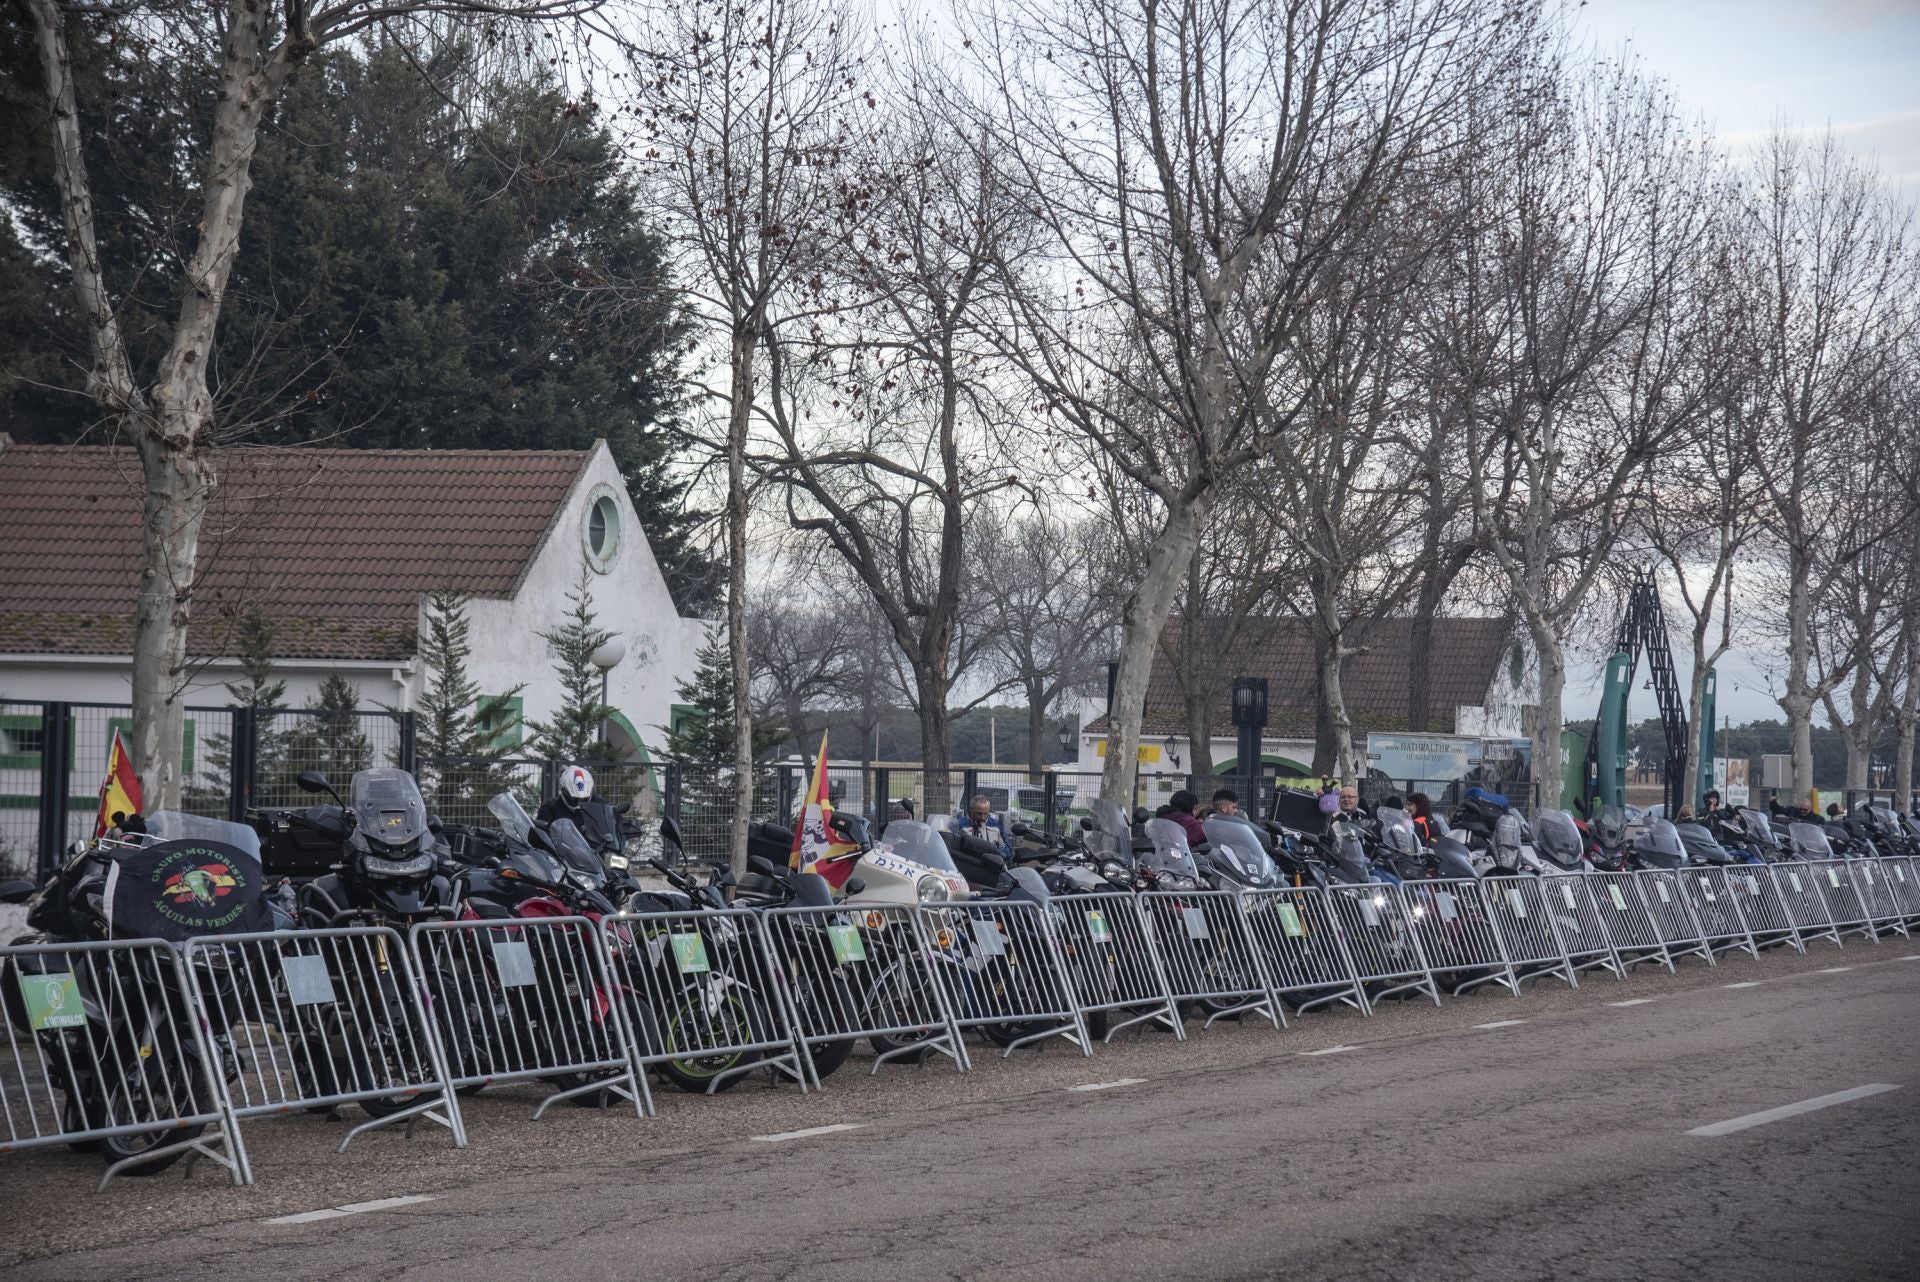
312, 781
15, 892
855, 885
1086, 823
1141, 814
623, 808
762, 865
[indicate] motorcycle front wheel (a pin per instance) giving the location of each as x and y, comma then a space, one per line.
738, 1017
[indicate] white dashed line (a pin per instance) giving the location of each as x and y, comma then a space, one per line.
1501, 1023
1632, 1001
353, 1208
1751, 983
1914, 957
809, 1133
1328, 1050
1834, 970
1107, 1086
1793, 1110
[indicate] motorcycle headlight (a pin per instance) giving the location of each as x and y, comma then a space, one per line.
377, 867
724, 931
931, 890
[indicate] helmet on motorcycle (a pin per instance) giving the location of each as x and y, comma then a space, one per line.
576, 784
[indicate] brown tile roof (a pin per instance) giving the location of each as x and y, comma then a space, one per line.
1466, 656
337, 544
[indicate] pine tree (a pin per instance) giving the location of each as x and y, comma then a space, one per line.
574, 733
330, 737
253, 637
702, 743
460, 735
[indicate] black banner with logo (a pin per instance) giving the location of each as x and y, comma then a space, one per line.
178, 889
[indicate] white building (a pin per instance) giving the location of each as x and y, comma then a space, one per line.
339, 548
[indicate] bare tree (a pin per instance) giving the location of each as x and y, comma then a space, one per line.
800, 653
1198, 167
747, 105
1596, 298
1833, 276
169, 411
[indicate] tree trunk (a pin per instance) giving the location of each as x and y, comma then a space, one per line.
1420, 643
178, 483
1141, 622
1198, 706
739, 410
1797, 701
1333, 700
1547, 725
1036, 730
936, 759
1903, 722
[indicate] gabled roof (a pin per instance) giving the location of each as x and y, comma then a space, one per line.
1464, 660
337, 545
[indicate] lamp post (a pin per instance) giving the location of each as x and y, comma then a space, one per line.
1250, 718
606, 658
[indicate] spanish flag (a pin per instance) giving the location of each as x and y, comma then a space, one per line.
120, 793
816, 847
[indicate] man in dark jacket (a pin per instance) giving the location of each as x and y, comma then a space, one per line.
1180, 808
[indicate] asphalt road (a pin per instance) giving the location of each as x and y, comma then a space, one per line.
1431, 1148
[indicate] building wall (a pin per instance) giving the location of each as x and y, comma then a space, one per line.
630, 598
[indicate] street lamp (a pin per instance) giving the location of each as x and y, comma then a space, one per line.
606, 658
1173, 758
1067, 737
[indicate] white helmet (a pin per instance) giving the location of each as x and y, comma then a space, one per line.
576, 784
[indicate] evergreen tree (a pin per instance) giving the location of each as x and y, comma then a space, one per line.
331, 737
460, 735
252, 642
575, 731
706, 737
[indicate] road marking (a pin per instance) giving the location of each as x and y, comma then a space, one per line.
353, 1208
1107, 1086
810, 1132
1501, 1023
1914, 957
1834, 970
1328, 1050
1632, 1001
1793, 1110
1751, 983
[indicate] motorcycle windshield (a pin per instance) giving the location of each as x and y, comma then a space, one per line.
598, 825
1171, 853
1700, 845
1236, 842
1758, 828
1661, 838
174, 825
572, 847
1810, 839
387, 807
1507, 832
911, 839
1557, 836
1349, 851
1453, 857
1397, 831
512, 816
1610, 825
1112, 834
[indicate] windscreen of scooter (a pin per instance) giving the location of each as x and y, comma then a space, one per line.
1397, 831
173, 825
1171, 853
1348, 849
599, 827
1661, 838
1235, 841
1557, 837
513, 817
1508, 833
1810, 839
1112, 834
911, 839
1700, 845
1759, 829
387, 807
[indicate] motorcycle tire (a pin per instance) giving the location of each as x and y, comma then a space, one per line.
827, 1057
117, 1148
646, 1035
702, 1074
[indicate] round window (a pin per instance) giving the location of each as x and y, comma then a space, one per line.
601, 535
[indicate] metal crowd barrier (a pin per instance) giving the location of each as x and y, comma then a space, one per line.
321, 1018
1797, 884
1454, 921
533, 999
1524, 922
1001, 969
1874, 886
710, 1002
1630, 925
1714, 911
1580, 924
112, 1050
1209, 954
859, 971
1672, 915
1762, 909
1303, 949
1115, 962
1906, 887
1844, 907
1378, 928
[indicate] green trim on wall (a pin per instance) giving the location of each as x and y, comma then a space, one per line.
513, 733
20, 760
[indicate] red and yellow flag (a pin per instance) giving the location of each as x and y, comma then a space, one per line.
816, 846
120, 793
